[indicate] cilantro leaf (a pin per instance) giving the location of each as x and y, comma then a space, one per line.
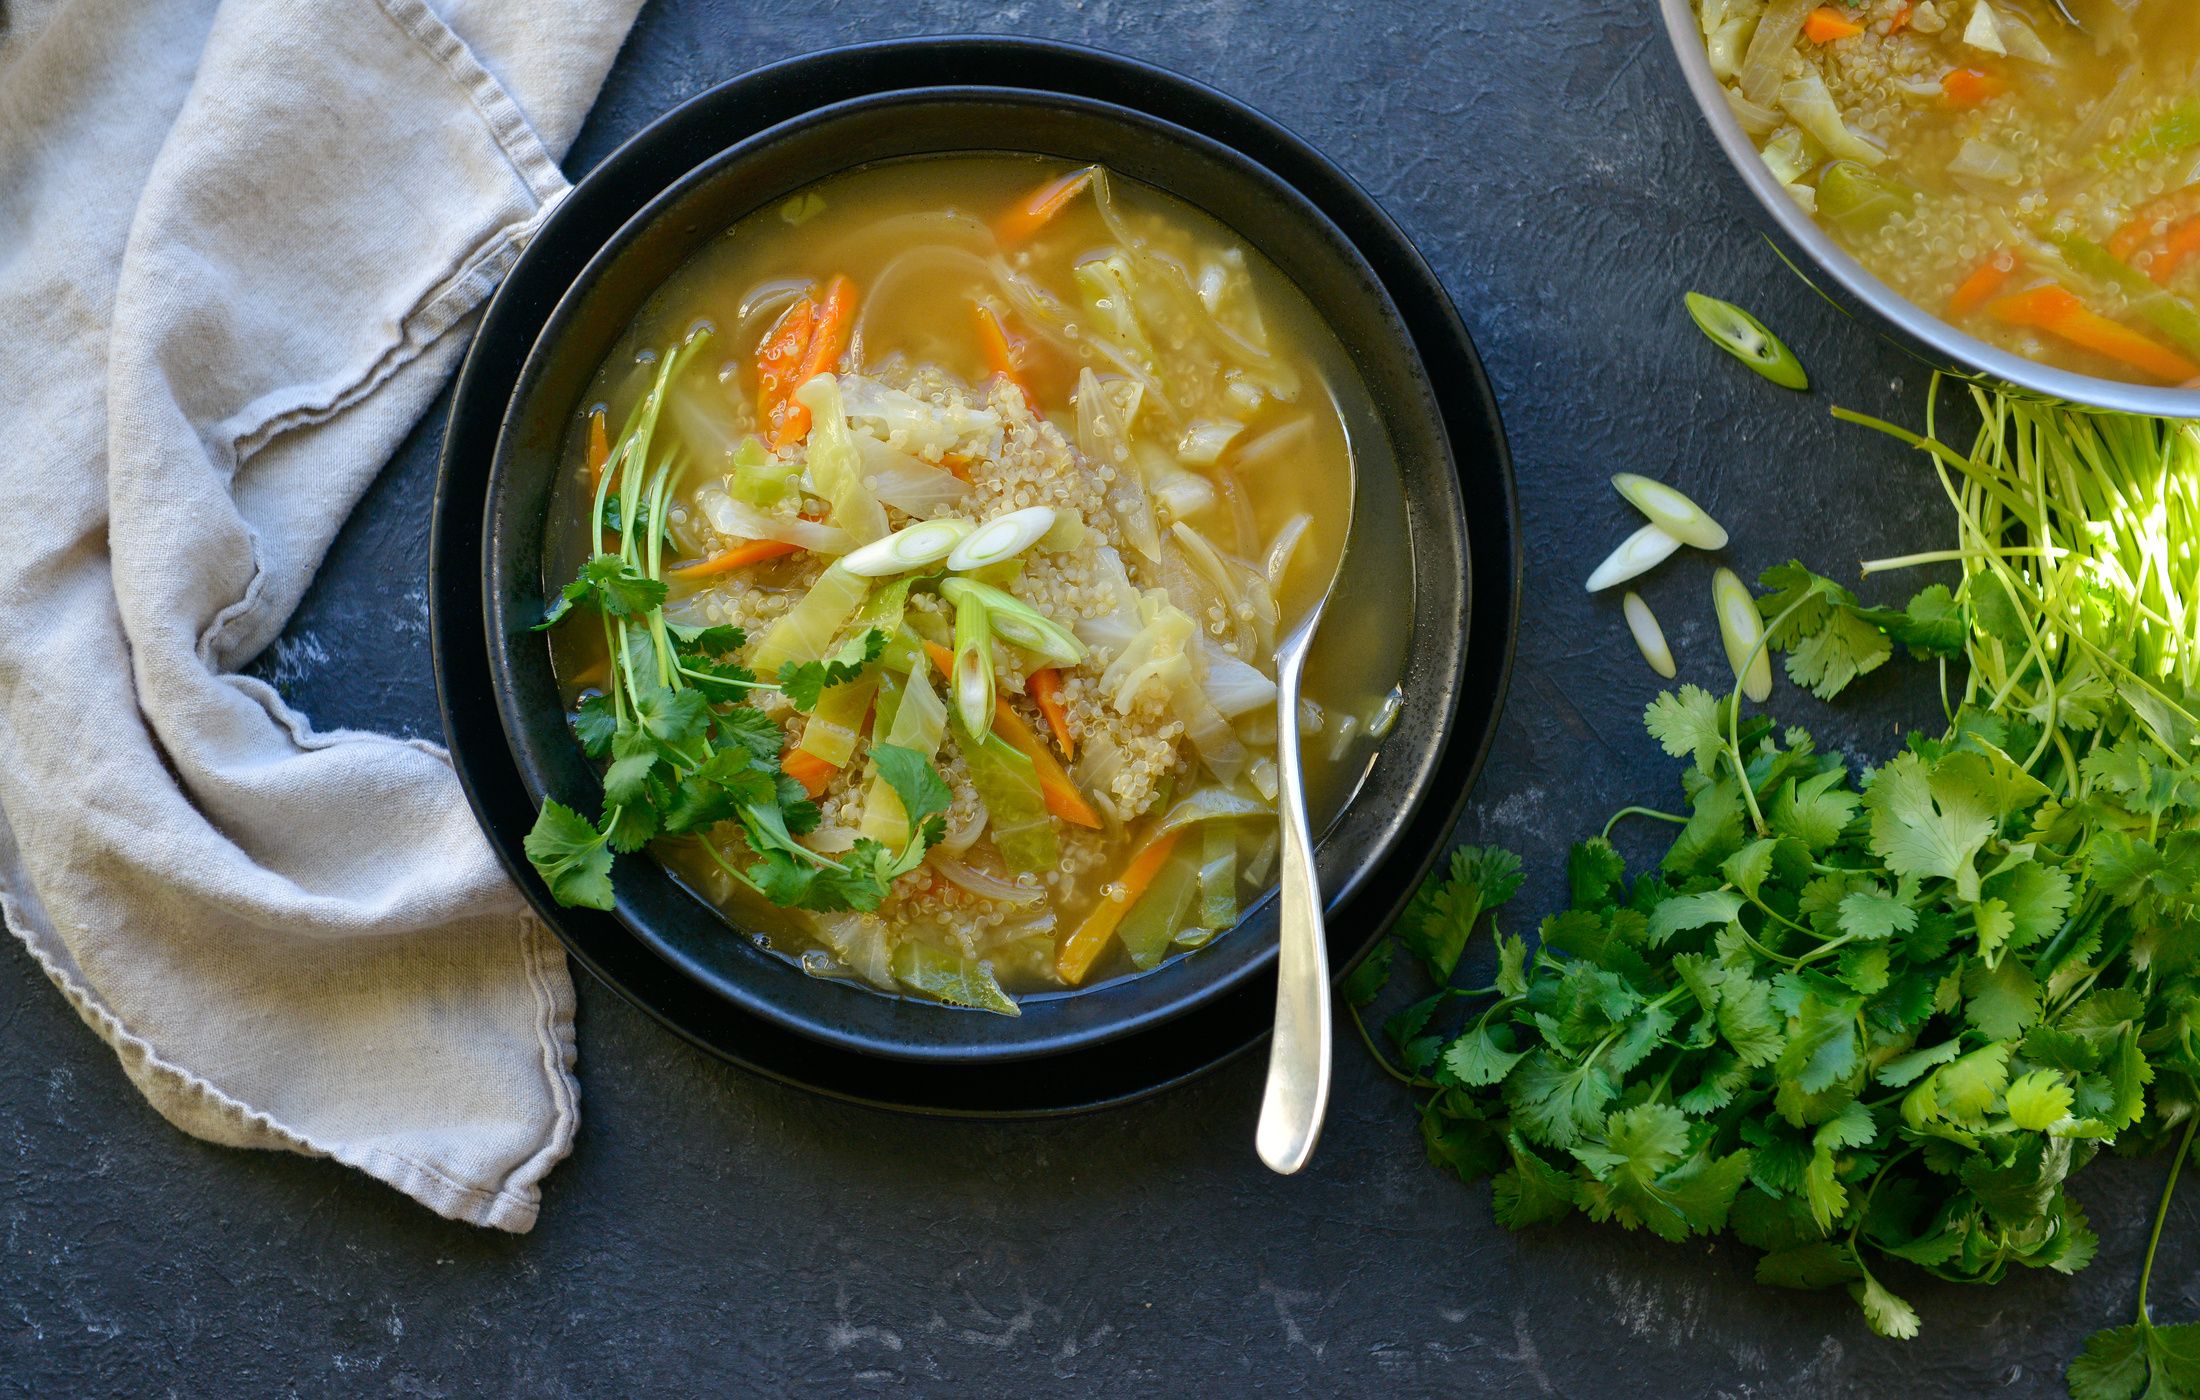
805, 683
595, 724
1687, 724
1925, 823
571, 856
2141, 1360
1444, 910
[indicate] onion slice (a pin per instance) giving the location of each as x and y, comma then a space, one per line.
1742, 629
1001, 538
1639, 553
1671, 511
911, 547
1648, 635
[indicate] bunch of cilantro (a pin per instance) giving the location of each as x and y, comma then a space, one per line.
1868, 1023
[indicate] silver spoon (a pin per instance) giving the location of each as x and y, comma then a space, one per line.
1297, 1095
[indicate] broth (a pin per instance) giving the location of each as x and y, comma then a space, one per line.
989, 336
2034, 184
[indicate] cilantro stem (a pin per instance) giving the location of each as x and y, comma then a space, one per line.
1734, 715
2161, 1214
1650, 812
1411, 1081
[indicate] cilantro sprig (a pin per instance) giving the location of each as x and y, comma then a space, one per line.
686, 753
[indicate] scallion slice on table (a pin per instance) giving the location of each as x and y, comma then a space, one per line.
1671, 511
1648, 635
1742, 629
1745, 338
1001, 538
1638, 554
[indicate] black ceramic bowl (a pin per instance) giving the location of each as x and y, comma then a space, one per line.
760, 173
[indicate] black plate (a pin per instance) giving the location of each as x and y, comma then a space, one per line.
1130, 1064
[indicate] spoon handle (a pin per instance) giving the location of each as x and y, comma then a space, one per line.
1298, 1058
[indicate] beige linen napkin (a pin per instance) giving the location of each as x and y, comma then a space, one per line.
240, 241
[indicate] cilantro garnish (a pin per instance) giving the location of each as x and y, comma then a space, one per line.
686, 754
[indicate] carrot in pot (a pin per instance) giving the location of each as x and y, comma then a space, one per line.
2055, 310
1901, 20
1041, 205
599, 448
2183, 246
1045, 686
828, 338
1001, 355
1969, 87
1083, 948
2140, 230
1062, 797
814, 773
1826, 24
779, 359
727, 560
1982, 285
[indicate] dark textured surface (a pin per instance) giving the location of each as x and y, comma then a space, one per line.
712, 1232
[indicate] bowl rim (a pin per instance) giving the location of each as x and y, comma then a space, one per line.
1907, 316
1203, 981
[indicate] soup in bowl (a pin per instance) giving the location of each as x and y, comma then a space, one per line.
2029, 181
918, 554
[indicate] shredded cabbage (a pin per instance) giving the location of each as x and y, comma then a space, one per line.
806, 630
908, 483
741, 521
1807, 99
1156, 653
1235, 687
1105, 411
1163, 911
923, 427
835, 465
952, 978
919, 722
1015, 805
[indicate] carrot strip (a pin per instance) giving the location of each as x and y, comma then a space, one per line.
599, 449
828, 337
1826, 24
1901, 20
1082, 948
1982, 285
779, 358
1042, 204
727, 560
1062, 797
2140, 231
2055, 310
1045, 686
958, 466
814, 773
2183, 246
1969, 87
1001, 355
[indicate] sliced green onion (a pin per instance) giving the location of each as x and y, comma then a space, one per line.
1671, 511
1015, 621
910, 547
1648, 635
1742, 629
1639, 553
1001, 538
1745, 338
972, 682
